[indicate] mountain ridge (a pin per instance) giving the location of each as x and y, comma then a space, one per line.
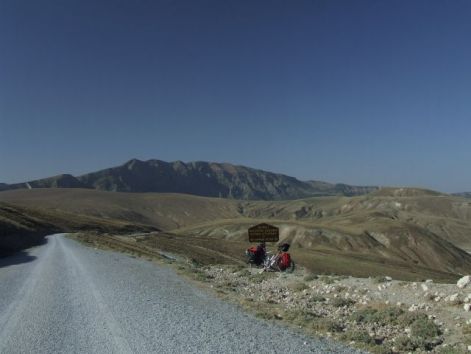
208, 179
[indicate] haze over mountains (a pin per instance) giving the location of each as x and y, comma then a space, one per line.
198, 178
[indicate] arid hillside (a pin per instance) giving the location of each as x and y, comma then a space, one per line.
22, 227
398, 231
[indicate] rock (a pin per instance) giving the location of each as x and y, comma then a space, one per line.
463, 282
424, 287
453, 297
387, 278
413, 308
467, 307
429, 281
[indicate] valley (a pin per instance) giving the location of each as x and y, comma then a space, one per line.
406, 233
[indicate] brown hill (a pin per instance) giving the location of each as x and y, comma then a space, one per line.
381, 233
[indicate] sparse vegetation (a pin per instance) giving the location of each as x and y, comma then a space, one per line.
360, 336
340, 302
298, 286
424, 328
310, 277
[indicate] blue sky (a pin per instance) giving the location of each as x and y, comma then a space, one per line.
361, 92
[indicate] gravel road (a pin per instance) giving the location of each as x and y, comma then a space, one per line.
63, 297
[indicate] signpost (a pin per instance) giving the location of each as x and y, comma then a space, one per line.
264, 233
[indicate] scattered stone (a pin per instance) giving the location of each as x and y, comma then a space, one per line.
467, 307
413, 308
424, 287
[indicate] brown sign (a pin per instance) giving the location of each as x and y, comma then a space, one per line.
264, 233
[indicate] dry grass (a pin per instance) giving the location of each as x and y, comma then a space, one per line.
359, 236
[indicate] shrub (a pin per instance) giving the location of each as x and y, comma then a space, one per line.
388, 315
326, 279
360, 336
406, 344
261, 277
298, 286
408, 318
316, 298
340, 302
384, 316
310, 277
449, 350
365, 315
466, 329
424, 328
379, 279
326, 325
299, 317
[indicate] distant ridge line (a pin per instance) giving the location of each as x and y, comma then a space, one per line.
208, 179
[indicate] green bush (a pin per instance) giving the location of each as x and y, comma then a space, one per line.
365, 315
424, 328
384, 316
406, 344
360, 336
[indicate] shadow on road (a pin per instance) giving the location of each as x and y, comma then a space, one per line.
18, 257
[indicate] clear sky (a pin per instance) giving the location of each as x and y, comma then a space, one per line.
361, 92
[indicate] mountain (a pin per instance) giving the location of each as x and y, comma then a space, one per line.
463, 194
324, 188
198, 178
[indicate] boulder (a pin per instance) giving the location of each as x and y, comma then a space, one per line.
463, 282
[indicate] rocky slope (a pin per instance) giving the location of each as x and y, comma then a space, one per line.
197, 178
